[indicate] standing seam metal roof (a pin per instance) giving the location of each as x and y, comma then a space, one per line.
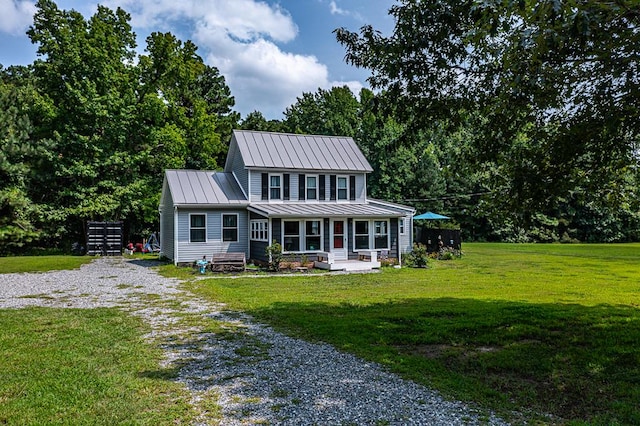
291, 151
192, 187
324, 210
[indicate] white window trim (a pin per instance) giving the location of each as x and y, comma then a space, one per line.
402, 225
306, 187
302, 229
281, 187
205, 228
372, 234
368, 234
346, 178
222, 227
258, 227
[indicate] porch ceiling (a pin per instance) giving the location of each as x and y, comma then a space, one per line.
323, 210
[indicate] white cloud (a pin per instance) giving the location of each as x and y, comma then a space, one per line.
16, 16
244, 39
335, 10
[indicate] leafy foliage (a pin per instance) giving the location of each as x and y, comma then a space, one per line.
96, 129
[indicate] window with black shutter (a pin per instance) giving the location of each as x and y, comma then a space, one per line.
332, 187
301, 180
321, 187
285, 191
265, 186
352, 188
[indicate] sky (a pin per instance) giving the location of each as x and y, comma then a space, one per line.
269, 51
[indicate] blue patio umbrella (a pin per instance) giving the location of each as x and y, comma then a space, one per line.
431, 216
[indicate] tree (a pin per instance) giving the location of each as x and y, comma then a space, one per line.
19, 160
332, 112
256, 121
114, 124
556, 83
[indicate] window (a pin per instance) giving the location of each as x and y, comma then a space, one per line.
274, 187
291, 236
259, 230
380, 234
361, 235
230, 227
197, 228
312, 187
312, 235
363, 240
342, 188
401, 225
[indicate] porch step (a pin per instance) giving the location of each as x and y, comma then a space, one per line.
348, 265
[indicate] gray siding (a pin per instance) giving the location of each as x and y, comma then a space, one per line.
167, 233
242, 174
255, 187
189, 252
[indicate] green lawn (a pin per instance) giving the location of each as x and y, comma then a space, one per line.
537, 328
71, 366
41, 263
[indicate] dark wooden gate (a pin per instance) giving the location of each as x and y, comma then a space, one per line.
434, 238
104, 238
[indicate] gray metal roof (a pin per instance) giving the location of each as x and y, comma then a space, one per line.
324, 210
291, 151
202, 187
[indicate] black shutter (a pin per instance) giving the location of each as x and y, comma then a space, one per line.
321, 188
285, 191
352, 188
301, 187
332, 187
265, 186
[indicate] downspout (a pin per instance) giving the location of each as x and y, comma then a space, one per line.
175, 235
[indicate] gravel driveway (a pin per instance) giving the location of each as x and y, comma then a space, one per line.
258, 375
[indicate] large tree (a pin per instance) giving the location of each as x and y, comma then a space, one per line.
555, 82
115, 123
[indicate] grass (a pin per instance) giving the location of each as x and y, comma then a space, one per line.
41, 263
542, 329
85, 367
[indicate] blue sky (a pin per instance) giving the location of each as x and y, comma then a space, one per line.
269, 51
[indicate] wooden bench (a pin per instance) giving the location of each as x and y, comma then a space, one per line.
224, 262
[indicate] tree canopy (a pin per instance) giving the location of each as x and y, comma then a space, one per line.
97, 126
555, 84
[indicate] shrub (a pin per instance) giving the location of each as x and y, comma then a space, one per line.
418, 256
274, 253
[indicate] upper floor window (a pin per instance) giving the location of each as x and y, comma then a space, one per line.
312, 187
342, 188
275, 187
197, 228
230, 227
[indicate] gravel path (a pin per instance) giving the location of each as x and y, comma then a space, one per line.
259, 376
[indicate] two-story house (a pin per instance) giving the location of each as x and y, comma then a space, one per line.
306, 192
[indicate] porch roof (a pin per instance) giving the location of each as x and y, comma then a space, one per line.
294, 209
